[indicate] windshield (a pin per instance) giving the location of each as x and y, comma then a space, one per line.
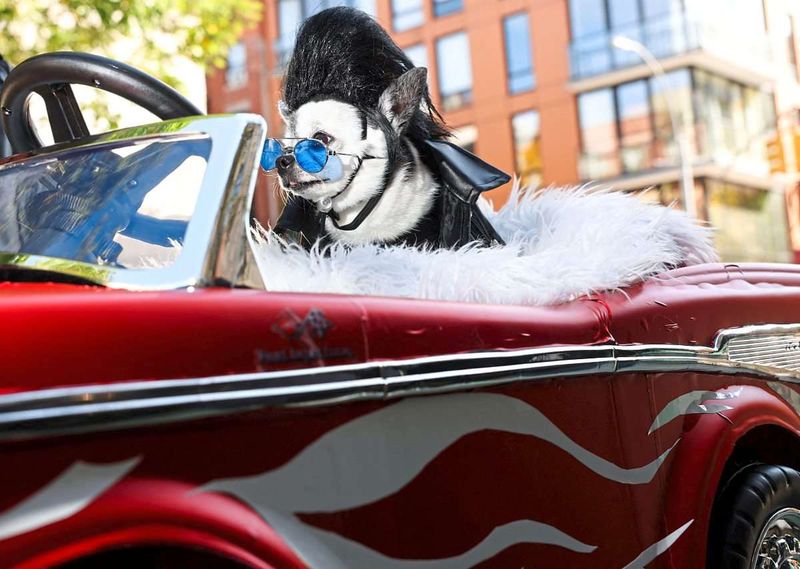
123, 204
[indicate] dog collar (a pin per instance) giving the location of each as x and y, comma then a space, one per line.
365, 211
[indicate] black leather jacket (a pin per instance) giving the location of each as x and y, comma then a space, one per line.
454, 219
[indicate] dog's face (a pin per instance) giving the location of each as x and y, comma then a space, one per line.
339, 126
353, 134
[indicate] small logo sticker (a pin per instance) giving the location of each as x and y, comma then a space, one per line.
304, 336
291, 327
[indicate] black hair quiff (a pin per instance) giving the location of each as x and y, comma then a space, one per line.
342, 53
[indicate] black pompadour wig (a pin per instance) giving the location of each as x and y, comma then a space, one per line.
342, 53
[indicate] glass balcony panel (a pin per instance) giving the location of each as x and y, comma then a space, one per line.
668, 34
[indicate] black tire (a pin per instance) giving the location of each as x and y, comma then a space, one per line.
742, 511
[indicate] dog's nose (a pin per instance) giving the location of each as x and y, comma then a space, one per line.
285, 162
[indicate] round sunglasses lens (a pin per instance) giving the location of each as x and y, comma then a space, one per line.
269, 156
311, 155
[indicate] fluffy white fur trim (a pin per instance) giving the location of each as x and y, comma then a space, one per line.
561, 244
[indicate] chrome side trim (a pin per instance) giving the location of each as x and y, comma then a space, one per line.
69, 410
769, 348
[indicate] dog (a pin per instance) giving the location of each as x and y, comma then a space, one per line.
365, 157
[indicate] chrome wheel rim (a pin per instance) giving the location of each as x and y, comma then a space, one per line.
778, 545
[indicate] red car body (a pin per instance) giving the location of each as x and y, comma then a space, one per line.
177, 414
389, 432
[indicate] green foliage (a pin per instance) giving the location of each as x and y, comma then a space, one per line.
150, 33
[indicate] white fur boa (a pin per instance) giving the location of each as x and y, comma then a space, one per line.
561, 244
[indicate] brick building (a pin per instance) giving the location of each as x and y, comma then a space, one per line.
630, 93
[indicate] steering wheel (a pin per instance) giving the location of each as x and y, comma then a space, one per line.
51, 74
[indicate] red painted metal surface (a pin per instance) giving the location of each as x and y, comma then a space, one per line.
492, 476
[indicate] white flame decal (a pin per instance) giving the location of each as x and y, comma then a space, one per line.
368, 459
375, 455
323, 549
657, 548
692, 404
64, 496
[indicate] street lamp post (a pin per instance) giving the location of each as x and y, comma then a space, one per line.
679, 130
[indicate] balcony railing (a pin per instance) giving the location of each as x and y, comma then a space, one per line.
666, 37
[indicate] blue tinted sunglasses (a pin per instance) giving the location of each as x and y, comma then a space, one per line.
309, 153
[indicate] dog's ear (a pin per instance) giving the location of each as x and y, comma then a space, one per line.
285, 112
401, 99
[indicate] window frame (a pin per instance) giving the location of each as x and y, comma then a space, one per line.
440, 75
394, 13
515, 144
436, 3
532, 66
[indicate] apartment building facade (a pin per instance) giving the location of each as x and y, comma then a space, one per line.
694, 99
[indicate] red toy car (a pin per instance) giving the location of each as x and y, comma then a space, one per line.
158, 408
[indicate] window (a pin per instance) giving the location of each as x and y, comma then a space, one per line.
455, 71
598, 122
311, 7
654, 9
418, 55
734, 119
367, 6
671, 101
527, 147
236, 71
590, 52
734, 28
623, 13
750, 223
629, 128
519, 60
290, 15
625, 18
587, 17
407, 14
664, 194
445, 7
635, 127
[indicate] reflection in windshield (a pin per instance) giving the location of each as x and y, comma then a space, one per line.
122, 204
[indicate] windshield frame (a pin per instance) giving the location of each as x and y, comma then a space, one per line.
216, 248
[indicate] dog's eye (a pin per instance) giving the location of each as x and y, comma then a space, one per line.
323, 137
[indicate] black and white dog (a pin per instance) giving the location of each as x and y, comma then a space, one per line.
391, 177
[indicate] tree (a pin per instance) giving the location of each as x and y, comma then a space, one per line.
152, 34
